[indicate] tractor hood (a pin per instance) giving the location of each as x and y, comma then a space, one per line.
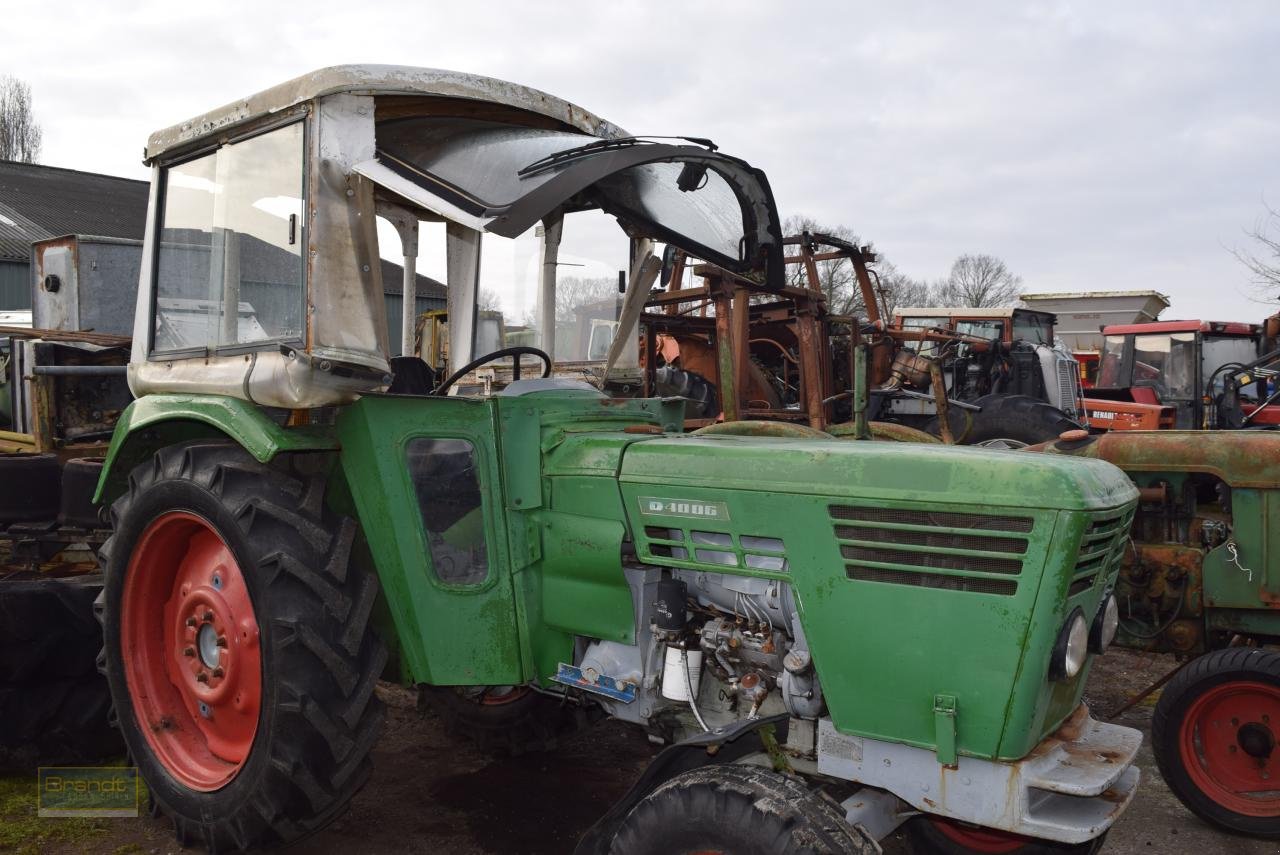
877, 470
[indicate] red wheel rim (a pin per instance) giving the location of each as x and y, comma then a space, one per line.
979, 839
1228, 747
490, 698
190, 644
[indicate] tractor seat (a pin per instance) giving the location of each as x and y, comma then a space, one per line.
411, 376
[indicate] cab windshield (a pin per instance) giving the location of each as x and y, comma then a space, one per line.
1166, 363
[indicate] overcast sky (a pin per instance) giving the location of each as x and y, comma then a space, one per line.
1089, 145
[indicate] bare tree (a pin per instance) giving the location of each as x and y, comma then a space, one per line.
897, 289
574, 292
1263, 260
488, 300
979, 281
19, 132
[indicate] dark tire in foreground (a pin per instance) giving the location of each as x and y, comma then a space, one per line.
1006, 421
238, 646
503, 719
54, 705
932, 836
1214, 734
738, 809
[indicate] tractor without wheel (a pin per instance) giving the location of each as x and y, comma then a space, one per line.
830, 637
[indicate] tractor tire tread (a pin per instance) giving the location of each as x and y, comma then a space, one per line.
326, 657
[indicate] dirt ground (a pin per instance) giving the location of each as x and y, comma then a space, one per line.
429, 794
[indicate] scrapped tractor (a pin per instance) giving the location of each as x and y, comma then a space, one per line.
1200, 580
60, 393
831, 638
1187, 375
740, 350
1011, 383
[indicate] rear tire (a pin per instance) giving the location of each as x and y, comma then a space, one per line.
1018, 420
934, 836
736, 810
1214, 735
251, 552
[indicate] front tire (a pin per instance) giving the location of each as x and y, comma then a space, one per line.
736, 810
1214, 735
238, 647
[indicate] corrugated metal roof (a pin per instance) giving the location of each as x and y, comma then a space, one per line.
37, 202
393, 282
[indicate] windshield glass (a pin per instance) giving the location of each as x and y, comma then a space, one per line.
1223, 350
1166, 363
988, 329
508, 178
1032, 328
1110, 374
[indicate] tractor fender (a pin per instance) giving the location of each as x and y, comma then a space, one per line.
154, 421
723, 745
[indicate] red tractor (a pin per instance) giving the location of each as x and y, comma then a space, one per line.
1185, 375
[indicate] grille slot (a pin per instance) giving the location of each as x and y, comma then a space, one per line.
976, 584
933, 519
1098, 545
941, 540
1079, 586
932, 560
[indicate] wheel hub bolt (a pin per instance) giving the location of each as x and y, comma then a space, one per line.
202, 677
188, 651
218, 672
191, 621
222, 641
208, 617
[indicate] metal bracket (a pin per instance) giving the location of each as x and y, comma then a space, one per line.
944, 722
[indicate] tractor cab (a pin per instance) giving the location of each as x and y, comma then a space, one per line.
265, 281
1170, 364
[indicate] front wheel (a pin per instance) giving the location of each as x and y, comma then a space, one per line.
1214, 734
238, 647
736, 810
931, 835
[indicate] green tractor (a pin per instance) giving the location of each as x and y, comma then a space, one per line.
1200, 580
831, 638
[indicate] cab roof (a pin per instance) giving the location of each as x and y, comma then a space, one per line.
966, 312
380, 80
1221, 327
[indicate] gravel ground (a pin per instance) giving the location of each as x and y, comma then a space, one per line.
429, 794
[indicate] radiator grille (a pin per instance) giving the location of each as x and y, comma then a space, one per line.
1103, 540
948, 550
1068, 376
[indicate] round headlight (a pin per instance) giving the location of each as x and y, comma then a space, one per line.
1071, 649
1105, 625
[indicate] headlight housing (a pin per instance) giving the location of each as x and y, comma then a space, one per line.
1105, 625
1071, 648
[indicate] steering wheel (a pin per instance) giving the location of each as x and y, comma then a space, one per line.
516, 352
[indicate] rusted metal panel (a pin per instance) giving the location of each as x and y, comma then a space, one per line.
1240, 458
